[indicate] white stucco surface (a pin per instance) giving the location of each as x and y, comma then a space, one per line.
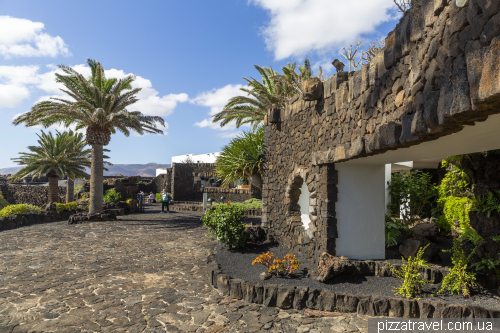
360, 208
304, 205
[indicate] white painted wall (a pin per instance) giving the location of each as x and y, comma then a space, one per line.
197, 158
360, 208
304, 205
161, 171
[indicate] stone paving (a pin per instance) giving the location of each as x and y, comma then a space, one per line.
142, 273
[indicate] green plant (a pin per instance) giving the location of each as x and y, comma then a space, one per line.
224, 225
409, 273
488, 204
459, 280
3, 202
457, 208
393, 229
287, 266
486, 265
105, 182
471, 235
19, 209
413, 191
496, 239
79, 189
112, 196
128, 201
158, 197
61, 207
242, 157
442, 223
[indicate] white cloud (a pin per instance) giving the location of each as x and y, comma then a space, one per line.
216, 99
298, 27
24, 38
17, 82
229, 135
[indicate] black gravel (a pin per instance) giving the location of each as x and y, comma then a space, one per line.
237, 263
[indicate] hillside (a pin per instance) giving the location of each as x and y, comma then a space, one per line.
145, 170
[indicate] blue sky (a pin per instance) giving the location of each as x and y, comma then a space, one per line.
189, 58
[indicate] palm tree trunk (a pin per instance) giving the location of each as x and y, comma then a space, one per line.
96, 178
70, 190
53, 189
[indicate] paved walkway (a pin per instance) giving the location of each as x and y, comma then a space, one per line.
141, 273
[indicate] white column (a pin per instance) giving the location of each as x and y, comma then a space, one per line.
360, 209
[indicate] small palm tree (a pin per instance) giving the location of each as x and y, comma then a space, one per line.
100, 106
242, 157
53, 158
274, 90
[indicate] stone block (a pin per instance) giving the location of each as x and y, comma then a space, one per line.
312, 299
381, 306
346, 303
426, 309
235, 288
489, 7
452, 311
389, 134
300, 298
489, 87
223, 284
326, 301
491, 30
396, 309
365, 307
312, 89
284, 298
274, 115
270, 294
411, 308
479, 312
357, 81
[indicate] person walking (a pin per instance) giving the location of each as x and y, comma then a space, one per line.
165, 201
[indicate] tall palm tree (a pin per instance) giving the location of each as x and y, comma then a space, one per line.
100, 106
242, 157
274, 90
52, 158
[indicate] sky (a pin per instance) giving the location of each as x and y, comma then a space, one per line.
189, 57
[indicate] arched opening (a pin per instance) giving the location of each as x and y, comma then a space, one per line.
303, 202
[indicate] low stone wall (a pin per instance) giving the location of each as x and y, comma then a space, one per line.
17, 221
34, 195
198, 208
298, 298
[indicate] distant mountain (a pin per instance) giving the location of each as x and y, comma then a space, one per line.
145, 170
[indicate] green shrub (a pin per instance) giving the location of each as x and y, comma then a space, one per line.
412, 190
3, 202
19, 209
457, 208
488, 204
393, 229
112, 196
246, 205
79, 189
459, 280
409, 273
61, 207
224, 225
158, 197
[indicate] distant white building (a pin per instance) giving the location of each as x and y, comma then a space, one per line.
196, 158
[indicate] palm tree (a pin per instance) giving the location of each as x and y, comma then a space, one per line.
100, 106
54, 158
242, 157
274, 90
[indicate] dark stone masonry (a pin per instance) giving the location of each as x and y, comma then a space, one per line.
439, 71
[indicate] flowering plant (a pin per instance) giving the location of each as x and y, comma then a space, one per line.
287, 266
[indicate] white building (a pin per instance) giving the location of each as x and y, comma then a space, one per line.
196, 158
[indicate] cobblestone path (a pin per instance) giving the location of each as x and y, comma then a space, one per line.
141, 273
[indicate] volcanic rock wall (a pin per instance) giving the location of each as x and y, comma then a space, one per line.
439, 71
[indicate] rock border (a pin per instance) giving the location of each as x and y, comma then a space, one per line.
20, 220
298, 298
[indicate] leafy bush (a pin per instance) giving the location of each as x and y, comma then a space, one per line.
488, 204
409, 273
3, 202
393, 229
412, 191
246, 205
442, 223
19, 209
224, 225
112, 196
287, 266
486, 265
459, 280
457, 208
61, 207
79, 189
158, 197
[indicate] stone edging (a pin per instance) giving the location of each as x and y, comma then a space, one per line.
18, 220
298, 298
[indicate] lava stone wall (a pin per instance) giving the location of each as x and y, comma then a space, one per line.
34, 195
163, 181
439, 71
229, 194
